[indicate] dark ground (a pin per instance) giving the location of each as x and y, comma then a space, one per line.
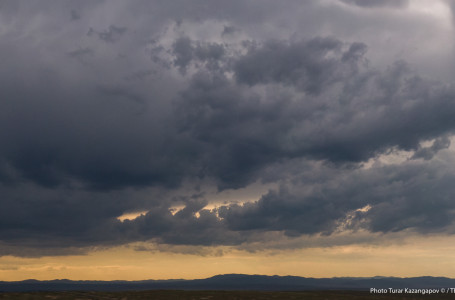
213, 295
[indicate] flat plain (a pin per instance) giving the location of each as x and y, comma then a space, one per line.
213, 295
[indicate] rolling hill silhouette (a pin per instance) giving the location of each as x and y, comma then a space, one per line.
234, 282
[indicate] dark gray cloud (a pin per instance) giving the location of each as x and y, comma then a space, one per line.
390, 198
111, 35
338, 117
80, 53
228, 30
324, 200
310, 65
75, 15
183, 52
429, 152
142, 112
186, 51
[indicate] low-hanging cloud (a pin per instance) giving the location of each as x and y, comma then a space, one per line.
126, 119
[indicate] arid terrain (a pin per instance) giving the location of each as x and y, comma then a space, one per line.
212, 295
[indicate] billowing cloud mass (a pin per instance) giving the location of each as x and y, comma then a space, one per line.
111, 108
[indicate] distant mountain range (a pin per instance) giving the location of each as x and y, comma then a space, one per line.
234, 282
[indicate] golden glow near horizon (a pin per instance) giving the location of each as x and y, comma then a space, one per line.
423, 256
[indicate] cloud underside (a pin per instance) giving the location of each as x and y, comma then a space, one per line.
123, 124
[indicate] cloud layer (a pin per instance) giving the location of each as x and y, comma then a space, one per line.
152, 105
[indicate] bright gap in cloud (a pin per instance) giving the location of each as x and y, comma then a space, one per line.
395, 156
131, 215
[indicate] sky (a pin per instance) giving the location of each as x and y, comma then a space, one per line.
185, 139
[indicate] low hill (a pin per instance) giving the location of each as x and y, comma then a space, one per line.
234, 282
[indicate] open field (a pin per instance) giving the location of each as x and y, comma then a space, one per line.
212, 295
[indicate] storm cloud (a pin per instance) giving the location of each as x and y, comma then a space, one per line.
148, 108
